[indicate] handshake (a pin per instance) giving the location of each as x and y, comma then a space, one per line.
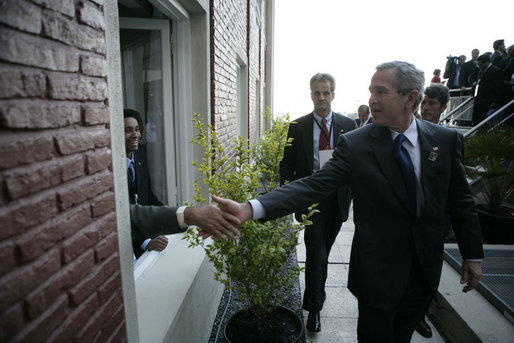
219, 222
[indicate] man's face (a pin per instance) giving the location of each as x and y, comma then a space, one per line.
322, 97
501, 47
474, 54
431, 109
462, 59
132, 134
363, 115
482, 65
388, 106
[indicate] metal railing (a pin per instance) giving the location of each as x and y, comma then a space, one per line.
495, 115
455, 110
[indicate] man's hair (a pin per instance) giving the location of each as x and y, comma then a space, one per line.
484, 58
128, 113
324, 77
363, 107
511, 48
439, 92
472, 51
407, 78
497, 43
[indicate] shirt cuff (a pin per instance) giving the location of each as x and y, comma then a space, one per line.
180, 217
145, 244
258, 210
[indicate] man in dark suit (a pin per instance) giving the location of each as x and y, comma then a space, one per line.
314, 135
364, 116
469, 71
140, 189
405, 175
490, 89
452, 71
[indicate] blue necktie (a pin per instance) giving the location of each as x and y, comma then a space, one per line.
407, 168
132, 177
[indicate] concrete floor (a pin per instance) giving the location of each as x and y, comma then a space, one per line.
339, 314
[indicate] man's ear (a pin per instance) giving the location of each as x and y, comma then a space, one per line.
412, 96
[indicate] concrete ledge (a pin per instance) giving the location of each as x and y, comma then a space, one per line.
176, 295
467, 317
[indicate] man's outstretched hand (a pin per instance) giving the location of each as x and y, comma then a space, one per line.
242, 211
213, 222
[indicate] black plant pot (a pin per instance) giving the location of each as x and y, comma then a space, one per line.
496, 229
280, 326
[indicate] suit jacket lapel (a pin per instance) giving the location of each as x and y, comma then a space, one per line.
429, 150
382, 146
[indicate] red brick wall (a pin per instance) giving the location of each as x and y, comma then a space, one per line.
235, 28
59, 266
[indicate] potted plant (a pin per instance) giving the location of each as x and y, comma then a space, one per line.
253, 265
489, 157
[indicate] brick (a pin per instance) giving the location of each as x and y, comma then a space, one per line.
71, 325
41, 328
25, 213
65, 86
26, 180
106, 247
110, 325
38, 114
82, 240
98, 160
74, 141
17, 284
17, 149
25, 49
96, 322
111, 286
102, 138
93, 65
112, 264
103, 204
91, 15
62, 6
107, 224
43, 296
95, 113
21, 14
72, 167
7, 256
88, 285
21, 82
11, 322
71, 33
82, 189
35, 242
119, 334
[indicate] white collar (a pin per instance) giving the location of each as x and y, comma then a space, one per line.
411, 133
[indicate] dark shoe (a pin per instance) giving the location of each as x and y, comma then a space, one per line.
424, 329
313, 323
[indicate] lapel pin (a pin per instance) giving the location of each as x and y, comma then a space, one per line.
340, 132
432, 156
435, 148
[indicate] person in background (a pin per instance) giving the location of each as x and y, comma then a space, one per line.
434, 103
406, 175
364, 116
437, 76
314, 137
499, 52
140, 189
490, 89
452, 72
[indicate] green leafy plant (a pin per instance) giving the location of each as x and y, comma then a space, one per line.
253, 264
489, 155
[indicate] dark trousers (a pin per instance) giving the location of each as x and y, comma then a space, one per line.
398, 324
319, 238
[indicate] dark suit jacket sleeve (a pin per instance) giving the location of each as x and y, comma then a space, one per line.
303, 192
151, 221
461, 208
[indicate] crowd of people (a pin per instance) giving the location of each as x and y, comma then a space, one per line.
490, 77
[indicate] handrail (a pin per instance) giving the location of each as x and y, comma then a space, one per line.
456, 109
489, 118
